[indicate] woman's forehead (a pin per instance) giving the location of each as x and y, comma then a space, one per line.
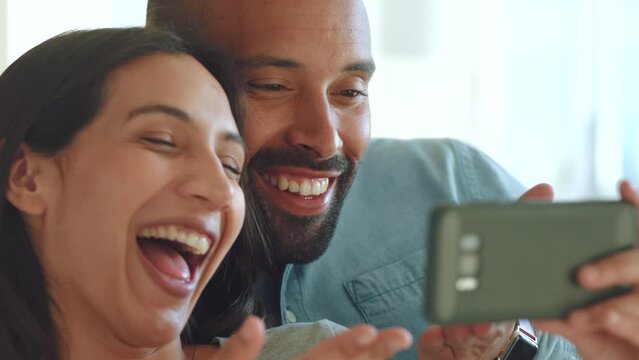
175, 80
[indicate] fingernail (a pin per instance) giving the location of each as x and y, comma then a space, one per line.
590, 274
366, 338
612, 317
394, 346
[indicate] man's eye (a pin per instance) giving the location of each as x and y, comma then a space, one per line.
268, 87
352, 93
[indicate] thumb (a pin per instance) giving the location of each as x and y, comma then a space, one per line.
539, 192
246, 343
628, 194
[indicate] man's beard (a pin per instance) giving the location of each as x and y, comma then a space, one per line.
292, 238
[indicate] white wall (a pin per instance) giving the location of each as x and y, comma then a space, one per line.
548, 88
32, 21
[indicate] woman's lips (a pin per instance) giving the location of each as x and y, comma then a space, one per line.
172, 255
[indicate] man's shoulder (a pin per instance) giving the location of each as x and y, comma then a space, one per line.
431, 170
434, 150
435, 153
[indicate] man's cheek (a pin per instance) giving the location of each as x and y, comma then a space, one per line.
356, 137
260, 131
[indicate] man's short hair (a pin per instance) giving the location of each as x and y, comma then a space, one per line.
174, 15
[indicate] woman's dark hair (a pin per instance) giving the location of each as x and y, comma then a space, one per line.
46, 97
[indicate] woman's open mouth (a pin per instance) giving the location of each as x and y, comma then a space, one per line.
175, 253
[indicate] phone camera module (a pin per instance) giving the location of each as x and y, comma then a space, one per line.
469, 243
468, 263
467, 284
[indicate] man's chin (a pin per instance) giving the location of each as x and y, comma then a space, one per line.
296, 237
301, 240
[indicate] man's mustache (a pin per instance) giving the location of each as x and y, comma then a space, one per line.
289, 157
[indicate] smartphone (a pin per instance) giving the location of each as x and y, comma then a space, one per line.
492, 262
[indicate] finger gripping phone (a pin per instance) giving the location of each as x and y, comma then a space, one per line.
491, 262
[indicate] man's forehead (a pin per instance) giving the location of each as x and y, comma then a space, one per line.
228, 22
286, 9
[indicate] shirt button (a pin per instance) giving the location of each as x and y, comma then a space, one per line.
290, 317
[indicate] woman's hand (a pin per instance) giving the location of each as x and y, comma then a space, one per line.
609, 329
361, 342
245, 344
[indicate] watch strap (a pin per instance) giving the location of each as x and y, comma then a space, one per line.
522, 344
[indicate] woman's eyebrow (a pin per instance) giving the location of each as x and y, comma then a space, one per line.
183, 116
235, 138
162, 109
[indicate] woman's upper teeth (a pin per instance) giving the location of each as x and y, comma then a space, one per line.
194, 242
305, 187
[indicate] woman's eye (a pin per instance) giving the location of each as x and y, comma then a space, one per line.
160, 140
233, 171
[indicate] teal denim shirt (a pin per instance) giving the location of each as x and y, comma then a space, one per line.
374, 269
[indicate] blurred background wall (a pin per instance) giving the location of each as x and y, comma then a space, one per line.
548, 88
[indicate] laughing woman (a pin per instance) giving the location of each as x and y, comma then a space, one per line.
119, 164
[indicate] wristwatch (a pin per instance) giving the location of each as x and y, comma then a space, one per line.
522, 344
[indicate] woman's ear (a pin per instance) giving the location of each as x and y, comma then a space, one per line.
24, 190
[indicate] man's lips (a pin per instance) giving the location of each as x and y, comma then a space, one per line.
299, 185
302, 193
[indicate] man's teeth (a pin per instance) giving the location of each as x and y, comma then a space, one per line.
193, 242
305, 187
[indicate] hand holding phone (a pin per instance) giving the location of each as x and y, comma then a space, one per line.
491, 262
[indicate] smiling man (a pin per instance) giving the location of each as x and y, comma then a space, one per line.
306, 67
309, 123
307, 119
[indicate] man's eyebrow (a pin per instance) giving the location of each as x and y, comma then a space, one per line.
266, 61
367, 67
160, 108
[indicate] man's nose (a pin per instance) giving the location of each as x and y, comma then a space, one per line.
316, 127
